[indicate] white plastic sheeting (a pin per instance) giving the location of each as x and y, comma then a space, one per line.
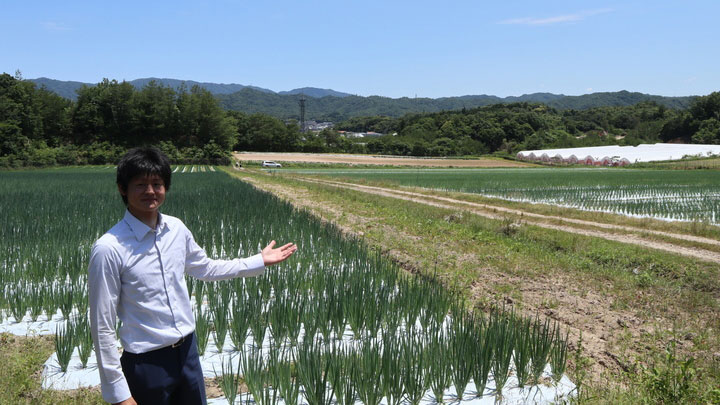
620, 155
547, 392
29, 327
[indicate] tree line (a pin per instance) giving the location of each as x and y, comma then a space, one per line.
509, 128
39, 128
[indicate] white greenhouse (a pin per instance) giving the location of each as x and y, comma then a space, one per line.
615, 155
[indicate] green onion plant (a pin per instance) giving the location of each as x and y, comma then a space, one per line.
523, 342
462, 345
368, 376
202, 330
342, 374
84, 339
558, 355
312, 362
502, 342
540, 347
229, 380
64, 344
414, 371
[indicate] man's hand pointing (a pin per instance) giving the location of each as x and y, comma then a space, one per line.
272, 256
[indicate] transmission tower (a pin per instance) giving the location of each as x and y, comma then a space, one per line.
302, 112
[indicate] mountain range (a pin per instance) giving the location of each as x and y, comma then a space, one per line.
331, 105
67, 89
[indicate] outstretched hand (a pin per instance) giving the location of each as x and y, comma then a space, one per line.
272, 255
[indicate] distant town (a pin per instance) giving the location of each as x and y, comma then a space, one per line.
315, 126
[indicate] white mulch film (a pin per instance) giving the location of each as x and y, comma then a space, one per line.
192, 169
631, 154
547, 392
28, 327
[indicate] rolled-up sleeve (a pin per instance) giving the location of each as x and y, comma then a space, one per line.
198, 265
104, 292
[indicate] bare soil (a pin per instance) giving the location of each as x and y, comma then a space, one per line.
376, 160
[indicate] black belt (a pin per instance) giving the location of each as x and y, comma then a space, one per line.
184, 339
181, 341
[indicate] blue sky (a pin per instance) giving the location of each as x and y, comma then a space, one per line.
389, 48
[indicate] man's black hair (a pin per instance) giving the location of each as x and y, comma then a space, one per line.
142, 161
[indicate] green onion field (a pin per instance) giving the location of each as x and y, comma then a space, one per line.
666, 194
337, 322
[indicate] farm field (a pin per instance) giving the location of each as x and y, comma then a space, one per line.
658, 194
337, 305
637, 316
375, 160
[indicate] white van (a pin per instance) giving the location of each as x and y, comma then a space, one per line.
270, 163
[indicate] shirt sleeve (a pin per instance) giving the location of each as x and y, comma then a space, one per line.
103, 294
198, 265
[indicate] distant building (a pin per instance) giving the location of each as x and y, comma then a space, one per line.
370, 134
317, 126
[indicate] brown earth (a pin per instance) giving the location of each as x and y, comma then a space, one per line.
376, 160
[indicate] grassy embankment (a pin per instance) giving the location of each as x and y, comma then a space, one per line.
710, 163
22, 359
642, 313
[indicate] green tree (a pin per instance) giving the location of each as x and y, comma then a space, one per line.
708, 132
156, 116
265, 133
706, 107
333, 140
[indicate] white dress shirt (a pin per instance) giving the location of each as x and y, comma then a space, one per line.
137, 274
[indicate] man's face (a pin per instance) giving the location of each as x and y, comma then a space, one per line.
145, 194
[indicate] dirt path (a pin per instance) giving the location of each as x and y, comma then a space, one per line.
491, 211
377, 160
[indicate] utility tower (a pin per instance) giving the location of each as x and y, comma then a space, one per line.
302, 112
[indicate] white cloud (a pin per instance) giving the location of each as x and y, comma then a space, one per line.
55, 26
589, 89
566, 18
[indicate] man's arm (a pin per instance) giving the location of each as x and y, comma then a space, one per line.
103, 294
198, 265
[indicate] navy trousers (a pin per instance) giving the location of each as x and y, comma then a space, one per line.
171, 375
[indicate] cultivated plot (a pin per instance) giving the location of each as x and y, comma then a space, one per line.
660, 194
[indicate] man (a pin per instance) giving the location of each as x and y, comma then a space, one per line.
136, 273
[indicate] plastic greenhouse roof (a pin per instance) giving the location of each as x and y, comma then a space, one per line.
640, 153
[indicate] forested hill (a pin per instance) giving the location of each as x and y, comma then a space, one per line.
331, 105
68, 89
335, 109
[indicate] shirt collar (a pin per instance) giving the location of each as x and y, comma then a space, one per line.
139, 229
